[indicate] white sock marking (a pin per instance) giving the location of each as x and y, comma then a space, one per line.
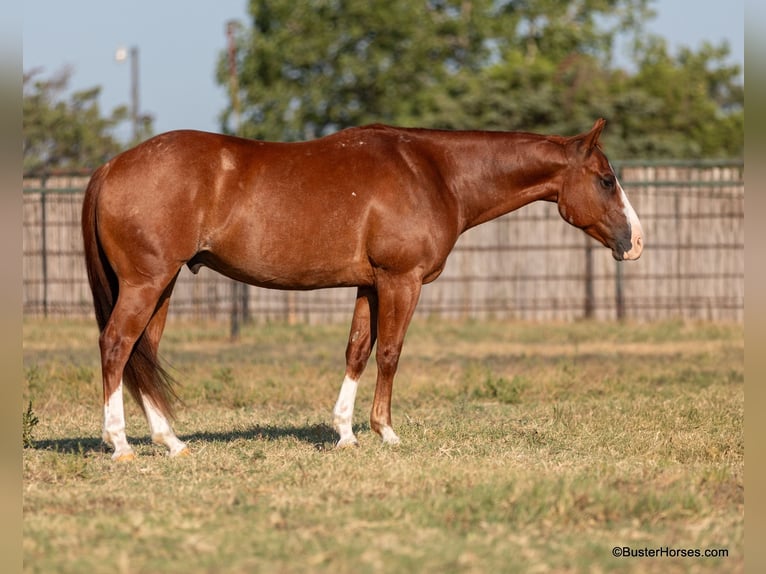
160, 428
389, 436
343, 413
114, 425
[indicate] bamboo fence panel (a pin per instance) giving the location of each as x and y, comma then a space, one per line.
527, 265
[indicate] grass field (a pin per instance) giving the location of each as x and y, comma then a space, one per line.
525, 448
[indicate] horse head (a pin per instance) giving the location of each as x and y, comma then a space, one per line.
592, 198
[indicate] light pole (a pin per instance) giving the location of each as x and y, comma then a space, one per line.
231, 29
121, 55
240, 305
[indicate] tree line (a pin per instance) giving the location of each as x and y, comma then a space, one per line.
306, 69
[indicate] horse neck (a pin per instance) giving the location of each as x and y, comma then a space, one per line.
494, 173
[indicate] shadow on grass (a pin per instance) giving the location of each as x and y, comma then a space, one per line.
320, 436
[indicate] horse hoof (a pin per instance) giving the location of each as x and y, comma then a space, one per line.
389, 437
347, 443
183, 452
126, 457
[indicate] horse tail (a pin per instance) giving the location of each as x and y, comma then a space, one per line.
101, 276
143, 374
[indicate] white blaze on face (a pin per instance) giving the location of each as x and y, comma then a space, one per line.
636, 233
343, 413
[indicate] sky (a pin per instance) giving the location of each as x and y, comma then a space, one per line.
179, 43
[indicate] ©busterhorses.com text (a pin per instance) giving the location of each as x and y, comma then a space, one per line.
668, 552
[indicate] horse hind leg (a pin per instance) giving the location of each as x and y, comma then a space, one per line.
360, 342
132, 313
159, 426
126, 323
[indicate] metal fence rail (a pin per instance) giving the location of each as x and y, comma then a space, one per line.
526, 265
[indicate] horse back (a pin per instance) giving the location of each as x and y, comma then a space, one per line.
287, 215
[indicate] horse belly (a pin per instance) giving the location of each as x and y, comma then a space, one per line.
287, 261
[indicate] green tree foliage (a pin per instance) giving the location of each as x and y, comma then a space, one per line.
688, 106
305, 69
67, 133
309, 68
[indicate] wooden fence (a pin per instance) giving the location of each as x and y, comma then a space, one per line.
526, 265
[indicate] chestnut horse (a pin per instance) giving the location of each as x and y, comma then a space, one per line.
378, 208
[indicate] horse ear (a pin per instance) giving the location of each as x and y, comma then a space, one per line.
591, 138
584, 143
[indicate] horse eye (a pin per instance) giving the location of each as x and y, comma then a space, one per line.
608, 182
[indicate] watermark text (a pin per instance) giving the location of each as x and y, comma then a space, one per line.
668, 552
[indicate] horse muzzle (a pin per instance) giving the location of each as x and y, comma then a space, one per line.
636, 244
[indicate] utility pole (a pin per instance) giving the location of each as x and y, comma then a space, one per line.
231, 29
239, 296
122, 55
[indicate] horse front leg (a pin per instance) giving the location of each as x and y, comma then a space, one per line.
397, 297
360, 342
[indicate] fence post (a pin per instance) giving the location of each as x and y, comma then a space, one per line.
619, 295
590, 301
245, 311
235, 315
44, 243
292, 307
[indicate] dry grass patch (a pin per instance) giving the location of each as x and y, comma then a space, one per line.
525, 447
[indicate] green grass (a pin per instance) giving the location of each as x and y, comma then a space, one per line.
525, 448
